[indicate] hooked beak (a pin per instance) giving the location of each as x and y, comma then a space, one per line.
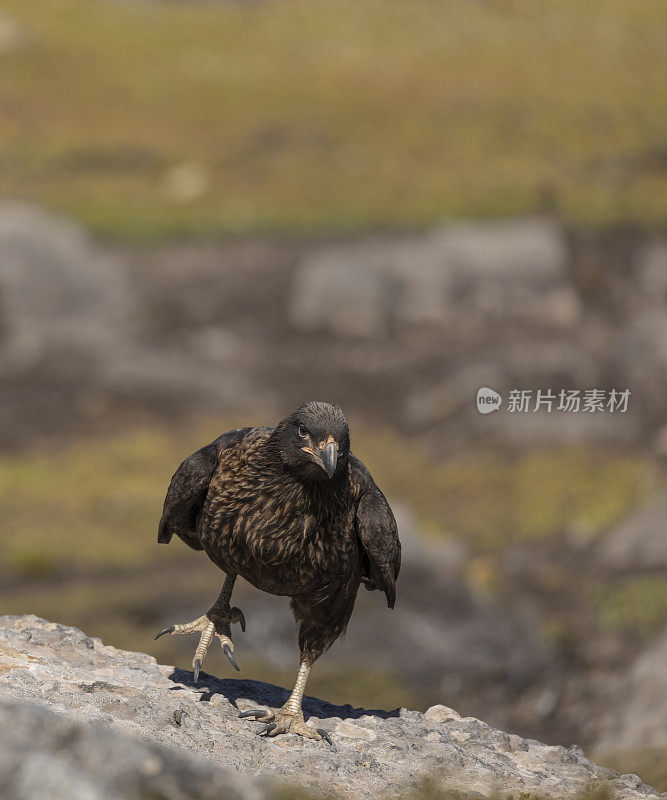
325, 456
329, 458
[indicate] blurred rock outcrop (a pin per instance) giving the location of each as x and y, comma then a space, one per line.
84, 720
60, 296
509, 270
640, 542
637, 711
441, 633
404, 327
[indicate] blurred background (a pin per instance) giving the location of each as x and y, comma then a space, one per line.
213, 211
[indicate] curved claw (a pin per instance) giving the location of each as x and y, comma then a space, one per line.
228, 652
197, 667
239, 617
255, 712
170, 629
326, 737
267, 730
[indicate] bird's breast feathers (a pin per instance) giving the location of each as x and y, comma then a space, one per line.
277, 535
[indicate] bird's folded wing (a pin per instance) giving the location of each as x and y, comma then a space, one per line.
378, 533
186, 493
189, 487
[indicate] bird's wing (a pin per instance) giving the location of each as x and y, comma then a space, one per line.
377, 531
188, 488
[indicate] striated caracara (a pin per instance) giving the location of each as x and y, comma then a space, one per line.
295, 513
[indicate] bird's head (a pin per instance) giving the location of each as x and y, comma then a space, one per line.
314, 441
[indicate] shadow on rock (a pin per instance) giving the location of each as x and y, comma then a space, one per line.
265, 694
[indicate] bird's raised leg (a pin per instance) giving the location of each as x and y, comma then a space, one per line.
289, 718
216, 622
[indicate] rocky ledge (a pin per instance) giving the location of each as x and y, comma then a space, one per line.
84, 721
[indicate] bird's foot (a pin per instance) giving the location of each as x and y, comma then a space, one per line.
210, 626
285, 721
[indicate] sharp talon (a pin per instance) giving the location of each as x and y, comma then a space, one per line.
197, 667
267, 730
227, 651
241, 618
170, 629
325, 736
252, 713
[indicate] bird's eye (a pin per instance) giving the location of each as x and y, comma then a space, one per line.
303, 433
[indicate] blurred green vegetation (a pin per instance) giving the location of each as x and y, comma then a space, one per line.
648, 762
634, 605
432, 789
96, 503
149, 120
79, 527
493, 499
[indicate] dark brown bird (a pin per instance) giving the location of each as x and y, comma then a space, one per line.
295, 513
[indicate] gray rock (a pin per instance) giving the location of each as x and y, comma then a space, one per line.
12, 35
637, 705
638, 542
111, 724
531, 250
441, 713
58, 292
403, 327
45, 755
463, 643
652, 270
347, 293
365, 288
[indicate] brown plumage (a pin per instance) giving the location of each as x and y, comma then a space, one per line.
295, 513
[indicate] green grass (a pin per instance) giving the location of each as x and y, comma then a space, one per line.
632, 605
78, 540
298, 116
97, 503
491, 499
79, 529
80, 526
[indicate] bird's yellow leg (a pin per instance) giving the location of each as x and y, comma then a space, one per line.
289, 718
216, 622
